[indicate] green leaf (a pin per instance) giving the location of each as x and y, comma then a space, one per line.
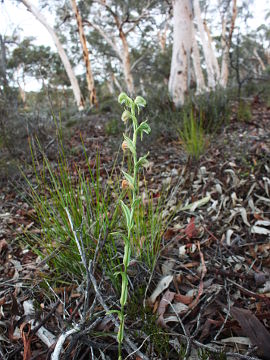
117, 273
129, 178
127, 253
120, 335
130, 144
118, 312
136, 202
143, 128
125, 239
127, 213
142, 161
124, 292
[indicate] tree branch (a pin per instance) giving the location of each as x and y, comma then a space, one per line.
105, 36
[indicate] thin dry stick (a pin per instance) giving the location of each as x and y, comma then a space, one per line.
134, 352
60, 342
207, 302
81, 249
79, 335
188, 348
227, 314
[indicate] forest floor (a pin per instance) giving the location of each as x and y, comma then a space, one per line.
210, 289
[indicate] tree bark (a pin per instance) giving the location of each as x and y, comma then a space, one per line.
70, 73
255, 52
212, 53
89, 74
126, 63
200, 83
226, 46
162, 36
207, 48
3, 67
267, 54
181, 55
21, 89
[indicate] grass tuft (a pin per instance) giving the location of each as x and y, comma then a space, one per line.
92, 209
192, 136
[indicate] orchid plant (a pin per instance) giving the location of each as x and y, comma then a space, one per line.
130, 182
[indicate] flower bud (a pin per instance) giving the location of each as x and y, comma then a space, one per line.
122, 98
124, 145
126, 115
127, 185
139, 101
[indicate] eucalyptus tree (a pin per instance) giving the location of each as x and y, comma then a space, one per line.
65, 60
211, 63
117, 23
3, 60
228, 21
37, 61
89, 74
217, 65
182, 47
263, 37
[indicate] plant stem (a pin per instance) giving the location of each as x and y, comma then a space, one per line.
129, 212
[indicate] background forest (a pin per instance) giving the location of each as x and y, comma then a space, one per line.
172, 53
135, 180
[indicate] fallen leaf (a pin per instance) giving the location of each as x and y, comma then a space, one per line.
193, 206
184, 299
25, 330
167, 267
187, 249
254, 329
259, 230
167, 298
237, 340
191, 230
3, 245
161, 286
178, 308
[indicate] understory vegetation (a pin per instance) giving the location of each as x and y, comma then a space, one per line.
135, 188
82, 230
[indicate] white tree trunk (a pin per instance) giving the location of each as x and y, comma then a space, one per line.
70, 73
182, 45
3, 60
89, 74
212, 53
267, 54
126, 64
209, 55
255, 52
116, 82
200, 83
